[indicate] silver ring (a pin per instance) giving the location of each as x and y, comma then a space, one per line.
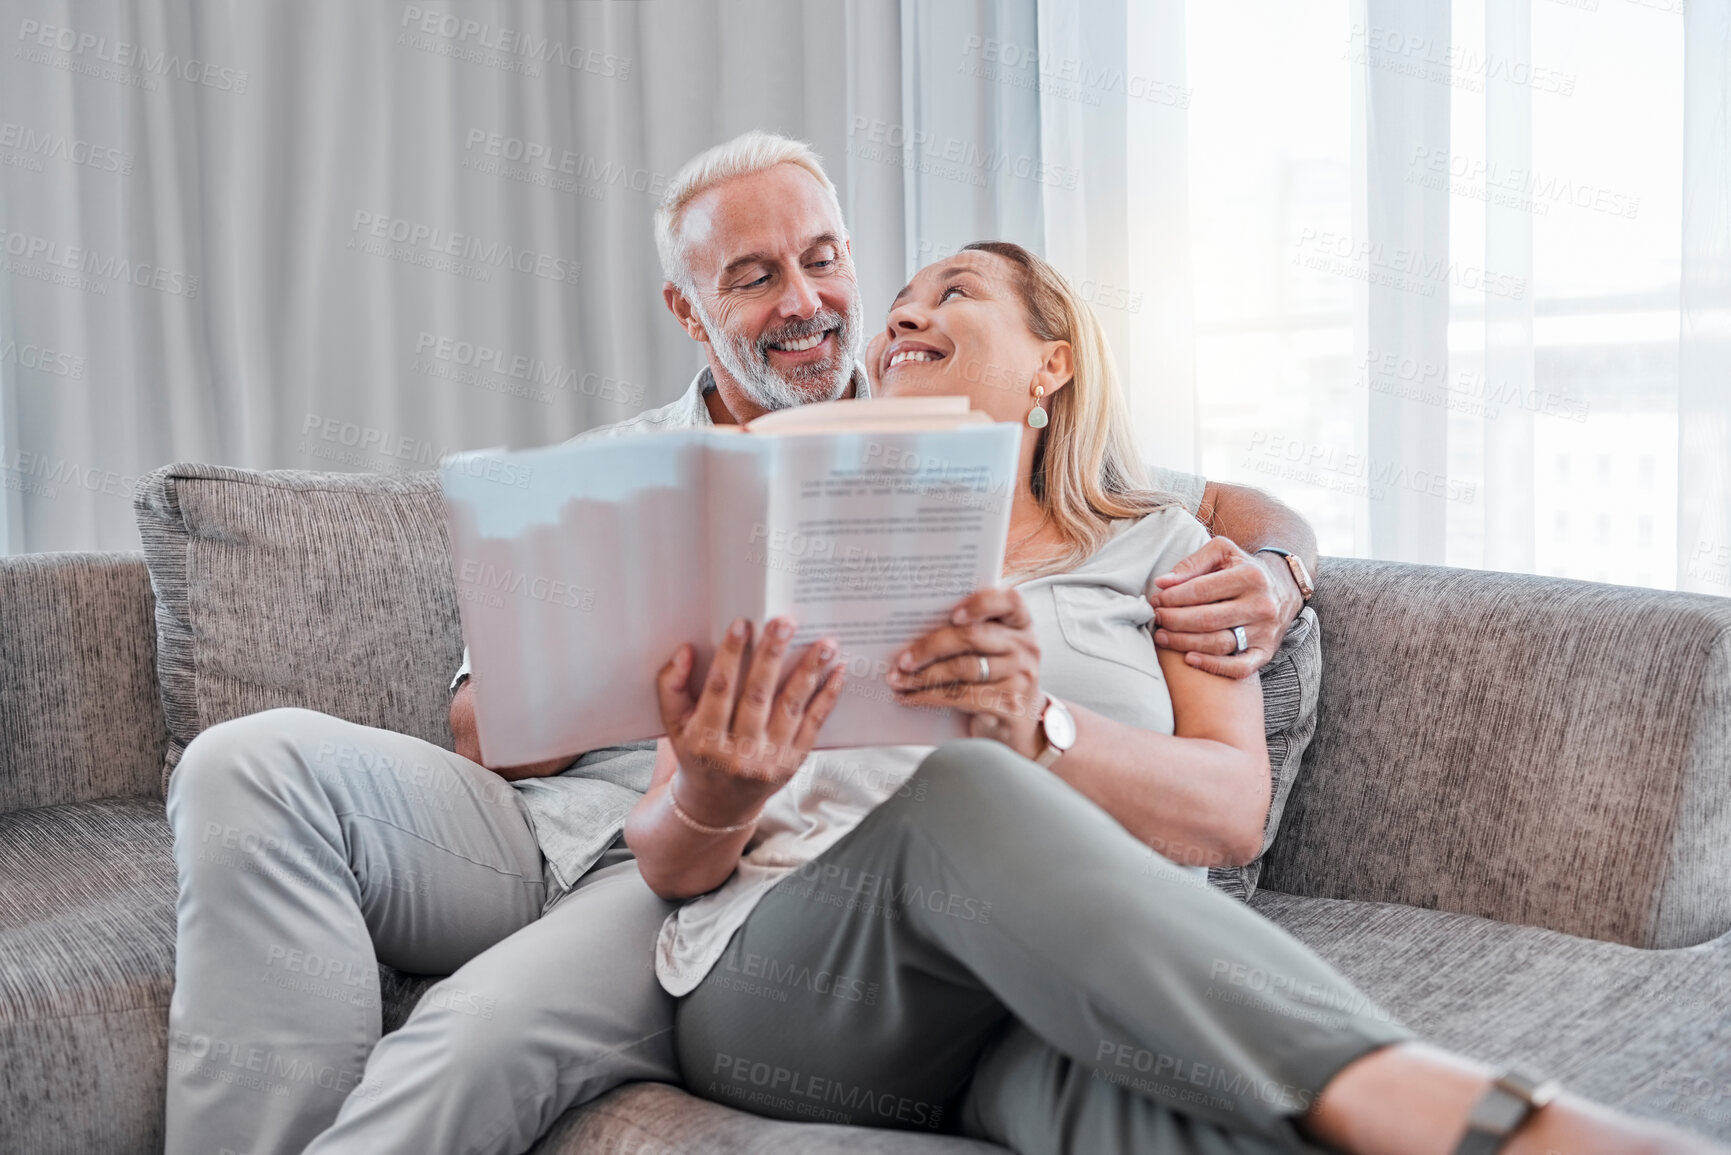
1242, 639
985, 668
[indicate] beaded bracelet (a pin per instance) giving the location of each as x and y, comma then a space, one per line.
679, 813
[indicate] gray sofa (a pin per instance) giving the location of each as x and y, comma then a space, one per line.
1512, 827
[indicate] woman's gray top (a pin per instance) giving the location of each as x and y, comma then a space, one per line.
1095, 652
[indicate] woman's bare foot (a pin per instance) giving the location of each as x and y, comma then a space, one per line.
1414, 1099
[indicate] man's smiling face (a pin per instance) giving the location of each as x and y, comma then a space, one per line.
776, 295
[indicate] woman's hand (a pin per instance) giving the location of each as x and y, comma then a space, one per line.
1002, 695
732, 758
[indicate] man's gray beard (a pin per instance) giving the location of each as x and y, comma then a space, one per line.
747, 361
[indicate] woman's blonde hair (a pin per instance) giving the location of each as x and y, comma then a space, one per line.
1088, 472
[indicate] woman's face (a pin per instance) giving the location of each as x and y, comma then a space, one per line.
960, 328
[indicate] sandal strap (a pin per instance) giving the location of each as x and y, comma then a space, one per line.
1505, 1107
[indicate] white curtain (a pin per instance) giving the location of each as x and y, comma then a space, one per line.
1462, 278
352, 236
1704, 369
1453, 278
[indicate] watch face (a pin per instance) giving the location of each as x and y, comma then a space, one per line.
1059, 724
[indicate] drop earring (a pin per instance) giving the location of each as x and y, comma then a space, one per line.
1037, 415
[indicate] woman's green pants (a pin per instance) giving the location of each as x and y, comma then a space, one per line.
995, 955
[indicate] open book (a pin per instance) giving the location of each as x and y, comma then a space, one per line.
581, 567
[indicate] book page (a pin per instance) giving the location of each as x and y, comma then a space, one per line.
863, 413
579, 570
872, 538
735, 500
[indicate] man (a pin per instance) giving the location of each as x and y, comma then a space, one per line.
380, 847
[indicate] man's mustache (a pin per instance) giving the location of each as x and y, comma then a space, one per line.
810, 327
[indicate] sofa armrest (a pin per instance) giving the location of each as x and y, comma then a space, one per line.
1534, 750
79, 712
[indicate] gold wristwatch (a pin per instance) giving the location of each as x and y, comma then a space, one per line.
1058, 728
1296, 565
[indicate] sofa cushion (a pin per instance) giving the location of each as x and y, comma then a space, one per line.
79, 714
86, 966
323, 590
334, 592
655, 1119
1641, 1030
1533, 750
1291, 685
87, 955
86, 969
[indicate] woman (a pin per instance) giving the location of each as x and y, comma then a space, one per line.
979, 938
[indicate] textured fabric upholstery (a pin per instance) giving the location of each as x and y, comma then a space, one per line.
323, 590
655, 1119
1291, 685
1641, 1030
87, 952
1534, 750
334, 592
79, 716
86, 966
1540, 752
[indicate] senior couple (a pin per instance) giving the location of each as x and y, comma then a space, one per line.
975, 939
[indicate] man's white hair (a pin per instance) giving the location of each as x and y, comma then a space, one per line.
748, 153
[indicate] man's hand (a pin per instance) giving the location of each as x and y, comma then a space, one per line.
1218, 587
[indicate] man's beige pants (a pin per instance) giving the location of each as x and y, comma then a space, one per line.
311, 849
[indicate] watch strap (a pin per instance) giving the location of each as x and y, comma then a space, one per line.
1295, 566
1504, 1108
1050, 751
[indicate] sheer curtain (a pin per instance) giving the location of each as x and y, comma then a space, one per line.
326, 235
1453, 277
1463, 273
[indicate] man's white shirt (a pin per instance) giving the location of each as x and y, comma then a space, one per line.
580, 812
